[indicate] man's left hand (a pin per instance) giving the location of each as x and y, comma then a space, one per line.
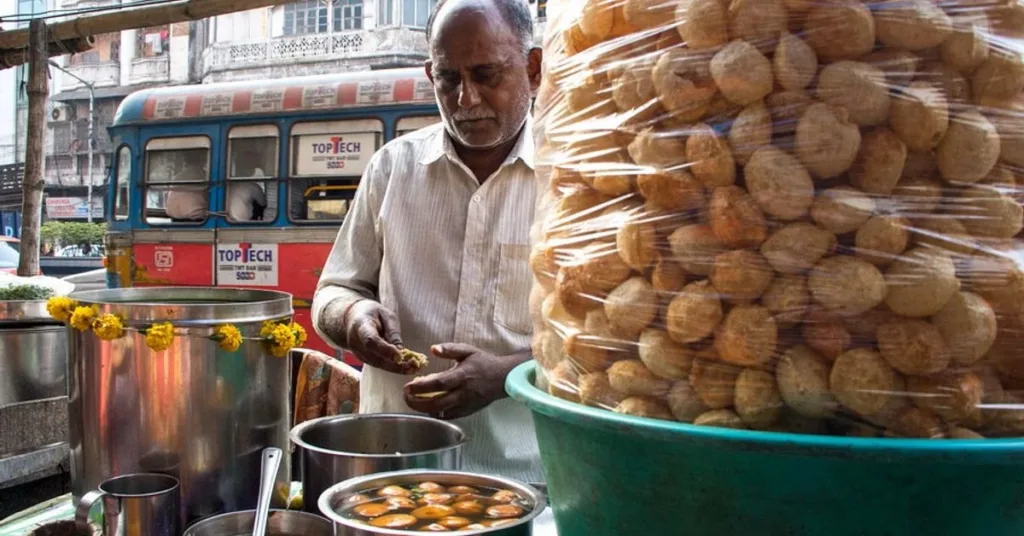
477, 379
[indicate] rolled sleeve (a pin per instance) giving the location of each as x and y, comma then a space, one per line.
352, 270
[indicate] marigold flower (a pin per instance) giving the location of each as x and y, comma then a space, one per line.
281, 340
159, 336
108, 327
61, 308
82, 317
300, 334
228, 337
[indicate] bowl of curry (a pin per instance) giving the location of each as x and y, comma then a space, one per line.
418, 501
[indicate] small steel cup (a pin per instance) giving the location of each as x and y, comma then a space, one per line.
140, 504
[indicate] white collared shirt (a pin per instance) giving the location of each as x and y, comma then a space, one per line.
450, 257
241, 196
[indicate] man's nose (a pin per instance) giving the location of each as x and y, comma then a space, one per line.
468, 95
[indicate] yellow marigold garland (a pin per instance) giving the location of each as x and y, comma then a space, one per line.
279, 336
82, 317
60, 308
108, 327
159, 336
227, 337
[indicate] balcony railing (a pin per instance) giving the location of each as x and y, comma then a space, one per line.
100, 74
155, 70
226, 56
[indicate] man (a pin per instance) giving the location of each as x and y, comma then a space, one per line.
433, 254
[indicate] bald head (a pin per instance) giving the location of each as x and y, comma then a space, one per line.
514, 13
484, 69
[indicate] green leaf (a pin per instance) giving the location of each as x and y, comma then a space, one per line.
25, 292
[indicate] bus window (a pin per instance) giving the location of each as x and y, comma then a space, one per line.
177, 180
327, 161
412, 124
124, 175
252, 155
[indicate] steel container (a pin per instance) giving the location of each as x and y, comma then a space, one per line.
33, 353
141, 504
334, 497
341, 447
194, 411
279, 523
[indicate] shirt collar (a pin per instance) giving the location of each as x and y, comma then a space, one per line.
440, 144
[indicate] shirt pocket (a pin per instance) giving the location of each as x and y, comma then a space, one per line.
512, 292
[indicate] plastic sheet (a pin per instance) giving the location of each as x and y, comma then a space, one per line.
785, 215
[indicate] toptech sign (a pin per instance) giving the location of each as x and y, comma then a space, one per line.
247, 264
334, 154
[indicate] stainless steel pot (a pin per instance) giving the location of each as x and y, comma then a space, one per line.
331, 499
279, 523
33, 353
340, 447
193, 411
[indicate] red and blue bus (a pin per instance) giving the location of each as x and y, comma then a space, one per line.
186, 158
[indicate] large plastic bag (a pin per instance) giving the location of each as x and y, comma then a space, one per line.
786, 215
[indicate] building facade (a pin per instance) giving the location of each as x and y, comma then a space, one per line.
302, 38
317, 36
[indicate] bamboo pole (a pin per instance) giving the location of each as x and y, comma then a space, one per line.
127, 19
32, 186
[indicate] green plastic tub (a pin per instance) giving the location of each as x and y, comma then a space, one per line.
617, 475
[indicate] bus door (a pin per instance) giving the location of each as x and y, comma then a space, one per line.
173, 243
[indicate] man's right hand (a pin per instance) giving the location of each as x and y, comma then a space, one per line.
372, 334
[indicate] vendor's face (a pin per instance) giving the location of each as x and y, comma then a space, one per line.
483, 80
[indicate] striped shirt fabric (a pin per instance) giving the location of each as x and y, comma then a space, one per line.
450, 257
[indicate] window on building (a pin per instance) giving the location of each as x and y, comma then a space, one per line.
542, 9
252, 174
416, 12
307, 17
152, 42
177, 180
316, 16
385, 13
124, 176
327, 159
348, 15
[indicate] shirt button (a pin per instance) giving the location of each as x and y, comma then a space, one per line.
476, 198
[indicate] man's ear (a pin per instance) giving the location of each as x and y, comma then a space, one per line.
533, 67
428, 66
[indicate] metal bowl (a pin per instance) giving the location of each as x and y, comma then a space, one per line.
279, 523
341, 447
338, 493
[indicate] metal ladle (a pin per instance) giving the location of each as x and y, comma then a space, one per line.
268, 477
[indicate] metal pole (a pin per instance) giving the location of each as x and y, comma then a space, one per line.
92, 123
